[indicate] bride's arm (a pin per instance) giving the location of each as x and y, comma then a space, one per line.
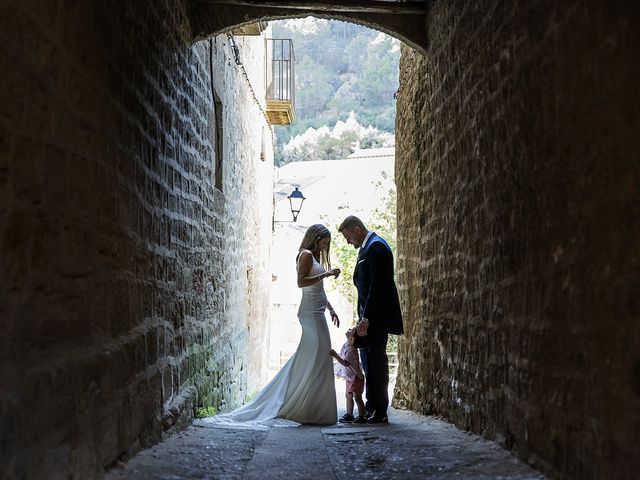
334, 315
305, 260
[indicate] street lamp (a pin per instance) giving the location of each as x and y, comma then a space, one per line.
296, 200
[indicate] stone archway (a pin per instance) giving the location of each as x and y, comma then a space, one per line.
519, 183
403, 20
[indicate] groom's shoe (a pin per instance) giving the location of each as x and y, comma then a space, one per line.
378, 419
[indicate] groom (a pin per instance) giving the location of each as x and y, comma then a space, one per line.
378, 310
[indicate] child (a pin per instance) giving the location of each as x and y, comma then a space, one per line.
349, 368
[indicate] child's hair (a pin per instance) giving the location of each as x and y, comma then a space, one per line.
350, 333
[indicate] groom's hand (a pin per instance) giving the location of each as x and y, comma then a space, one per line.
362, 327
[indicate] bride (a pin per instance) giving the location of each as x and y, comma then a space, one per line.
303, 390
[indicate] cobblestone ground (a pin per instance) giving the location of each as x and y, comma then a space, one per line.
411, 446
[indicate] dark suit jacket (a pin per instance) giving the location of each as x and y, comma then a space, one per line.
377, 293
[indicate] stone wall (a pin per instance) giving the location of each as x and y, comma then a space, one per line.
129, 282
518, 208
248, 188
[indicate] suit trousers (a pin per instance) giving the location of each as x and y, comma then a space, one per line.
375, 365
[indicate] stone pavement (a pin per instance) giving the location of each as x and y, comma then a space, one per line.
411, 446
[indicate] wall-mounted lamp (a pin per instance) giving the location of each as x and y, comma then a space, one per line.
296, 199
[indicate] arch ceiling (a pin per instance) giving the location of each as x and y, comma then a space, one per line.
405, 20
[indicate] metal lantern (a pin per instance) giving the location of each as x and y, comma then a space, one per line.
296, 199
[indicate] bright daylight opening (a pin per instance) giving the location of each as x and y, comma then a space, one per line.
339, 152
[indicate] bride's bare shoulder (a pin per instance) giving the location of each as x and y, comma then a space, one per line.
305, 256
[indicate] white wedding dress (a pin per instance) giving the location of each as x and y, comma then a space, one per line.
303, 391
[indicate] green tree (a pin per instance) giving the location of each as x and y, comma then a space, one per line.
313, 87
355, 53
379, 80
340, 67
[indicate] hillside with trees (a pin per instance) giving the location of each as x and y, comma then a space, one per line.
346, 78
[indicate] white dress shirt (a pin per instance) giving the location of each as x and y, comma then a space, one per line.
364, 244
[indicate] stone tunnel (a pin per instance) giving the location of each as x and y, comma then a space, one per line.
134, 234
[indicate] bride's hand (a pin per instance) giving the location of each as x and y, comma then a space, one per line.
335, 319
334, 272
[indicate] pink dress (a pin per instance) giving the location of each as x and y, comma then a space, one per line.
353, 373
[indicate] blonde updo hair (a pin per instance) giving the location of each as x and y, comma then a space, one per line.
310, 242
